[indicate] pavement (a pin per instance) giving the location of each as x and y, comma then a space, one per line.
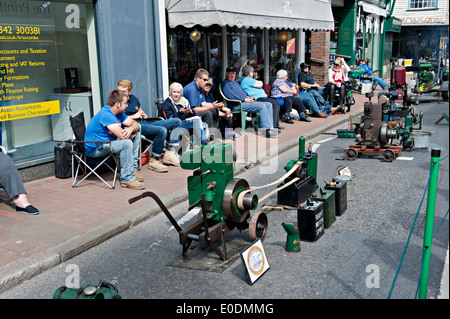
73, 220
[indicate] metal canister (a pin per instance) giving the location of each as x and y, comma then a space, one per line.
350, 188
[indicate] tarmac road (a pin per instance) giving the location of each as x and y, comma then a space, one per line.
356, 258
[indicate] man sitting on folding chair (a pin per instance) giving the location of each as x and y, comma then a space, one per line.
111, 124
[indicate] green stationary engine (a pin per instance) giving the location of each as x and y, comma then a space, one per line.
213, 181
301, 184
426, 77
223, 202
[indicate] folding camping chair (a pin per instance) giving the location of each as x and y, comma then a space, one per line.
243, 114
82, 160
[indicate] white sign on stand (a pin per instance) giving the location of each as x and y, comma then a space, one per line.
255, 260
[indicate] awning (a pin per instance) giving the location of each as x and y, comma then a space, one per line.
270, 14
371, 8
393, 24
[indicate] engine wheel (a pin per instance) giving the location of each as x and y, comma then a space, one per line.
257, 227
388, 155
352, 154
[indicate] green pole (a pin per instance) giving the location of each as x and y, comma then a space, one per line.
429, 222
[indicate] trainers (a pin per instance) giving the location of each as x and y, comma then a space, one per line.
170, 158
271, 133
133, 185
139, 177
157, 166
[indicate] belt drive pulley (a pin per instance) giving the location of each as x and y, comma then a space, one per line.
235, 208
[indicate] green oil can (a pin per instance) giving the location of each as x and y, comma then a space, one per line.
329, 202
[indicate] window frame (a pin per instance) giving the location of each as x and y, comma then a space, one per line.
418, 2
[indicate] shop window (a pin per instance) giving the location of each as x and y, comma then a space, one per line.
422, 4
282, 52
45, 61
191, 49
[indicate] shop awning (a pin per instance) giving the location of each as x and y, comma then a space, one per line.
371, 8
270, 14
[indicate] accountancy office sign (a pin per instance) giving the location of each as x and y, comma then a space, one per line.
23, 111
28, 67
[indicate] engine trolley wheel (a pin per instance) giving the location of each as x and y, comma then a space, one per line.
257, 227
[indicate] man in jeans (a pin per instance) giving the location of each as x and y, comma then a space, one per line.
232, 90
111, 124
156, 131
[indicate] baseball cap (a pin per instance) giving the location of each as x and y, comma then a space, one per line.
230, 69
303, 65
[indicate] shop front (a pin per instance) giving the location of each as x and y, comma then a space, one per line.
217, 34
47, 62
59, 58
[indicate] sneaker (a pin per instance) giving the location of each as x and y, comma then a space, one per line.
271, 133
139, 177
133, 185
157, 166
170, 158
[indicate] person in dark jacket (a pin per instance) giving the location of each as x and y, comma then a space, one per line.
177, 106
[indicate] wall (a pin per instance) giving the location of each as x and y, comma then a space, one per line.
320, 51
129, 47
422, 17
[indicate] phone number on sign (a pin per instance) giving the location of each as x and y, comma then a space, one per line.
8, 29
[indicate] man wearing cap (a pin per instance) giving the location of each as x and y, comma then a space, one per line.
306, 80
223, 116
232, 90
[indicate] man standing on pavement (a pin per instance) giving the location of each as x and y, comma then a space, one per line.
306, 81
106, 126
156, 131
232, 90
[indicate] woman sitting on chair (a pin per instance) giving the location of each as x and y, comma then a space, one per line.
281, 90
337, 75
13, 185
177, 106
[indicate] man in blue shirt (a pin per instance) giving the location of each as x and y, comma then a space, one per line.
380, 81
193, 92
254, 89
106, 126
232, 90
